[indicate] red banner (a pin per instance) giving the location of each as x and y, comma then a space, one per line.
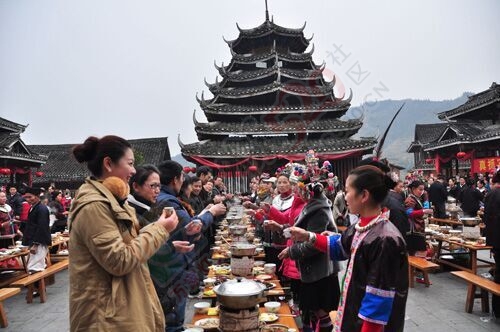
484, 165
289, 157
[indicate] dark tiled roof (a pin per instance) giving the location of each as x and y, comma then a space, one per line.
268, 26
492, 95
242, 147
289, 56
61, 166
275, 87
12, 126
223, 108
426, 133
279, 127
241, 76
485, 134
8, 140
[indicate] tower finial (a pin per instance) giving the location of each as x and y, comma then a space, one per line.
267, 12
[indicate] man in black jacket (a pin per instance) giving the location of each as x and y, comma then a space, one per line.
37, 232
15, 201
437, 196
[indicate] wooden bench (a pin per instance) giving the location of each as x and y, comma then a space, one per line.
421, 264
484, 284
39, 277
5, 293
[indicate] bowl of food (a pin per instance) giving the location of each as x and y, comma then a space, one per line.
259, 263
209, 282
270, 268
274, 328
272, 306
201, 307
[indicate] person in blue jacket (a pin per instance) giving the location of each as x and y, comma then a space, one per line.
171, 268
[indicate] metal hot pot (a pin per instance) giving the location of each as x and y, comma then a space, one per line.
239, 293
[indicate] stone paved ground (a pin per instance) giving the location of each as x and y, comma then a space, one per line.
437, 308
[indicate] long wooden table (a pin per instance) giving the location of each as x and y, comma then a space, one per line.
285, 317
451, 222
472, 252
18, 273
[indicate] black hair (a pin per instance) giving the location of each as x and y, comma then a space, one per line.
203, 170
373, 180
469, 182
194, 179
141, 175
187, 181
482, 182
169, 170
94, 150
54, 194
496, 177
415, 184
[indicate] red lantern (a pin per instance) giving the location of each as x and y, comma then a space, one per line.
193, 170
186, 169
252, 168
5, 171
39, 174
429, 160
461, 154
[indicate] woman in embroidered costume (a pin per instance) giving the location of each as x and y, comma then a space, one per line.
319, 291
375, 286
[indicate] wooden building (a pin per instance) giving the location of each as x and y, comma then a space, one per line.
19, 164
467, 142
270, 106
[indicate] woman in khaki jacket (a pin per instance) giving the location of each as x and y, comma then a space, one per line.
110, 286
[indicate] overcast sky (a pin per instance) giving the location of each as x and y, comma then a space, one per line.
71, 69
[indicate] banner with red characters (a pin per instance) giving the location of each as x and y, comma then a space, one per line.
485, 165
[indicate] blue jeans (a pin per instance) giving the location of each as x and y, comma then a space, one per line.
174, 320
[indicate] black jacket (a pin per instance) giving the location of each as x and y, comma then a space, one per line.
398, 214
437, 193
16, 203
492, 218
37, 227
316, 216
470, 198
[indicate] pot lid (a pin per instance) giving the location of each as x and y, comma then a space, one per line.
239, 287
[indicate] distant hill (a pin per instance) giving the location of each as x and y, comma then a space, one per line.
377, 116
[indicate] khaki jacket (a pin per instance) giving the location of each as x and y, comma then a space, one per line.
110, 285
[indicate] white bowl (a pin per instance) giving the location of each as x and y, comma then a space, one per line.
259, 263
202, 307
209, 282
259, 250
272, 306
270, 268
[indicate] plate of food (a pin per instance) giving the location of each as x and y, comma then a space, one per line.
269, 285
208, 324
274, 328
263, 277
267, 317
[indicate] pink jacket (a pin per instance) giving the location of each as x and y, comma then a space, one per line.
288, 217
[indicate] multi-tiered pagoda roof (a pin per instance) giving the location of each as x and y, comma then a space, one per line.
272, 100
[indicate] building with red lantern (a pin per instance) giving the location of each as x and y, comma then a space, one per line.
18, 163
273, 104
468, 142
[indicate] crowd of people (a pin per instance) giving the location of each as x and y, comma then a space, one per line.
140, 236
